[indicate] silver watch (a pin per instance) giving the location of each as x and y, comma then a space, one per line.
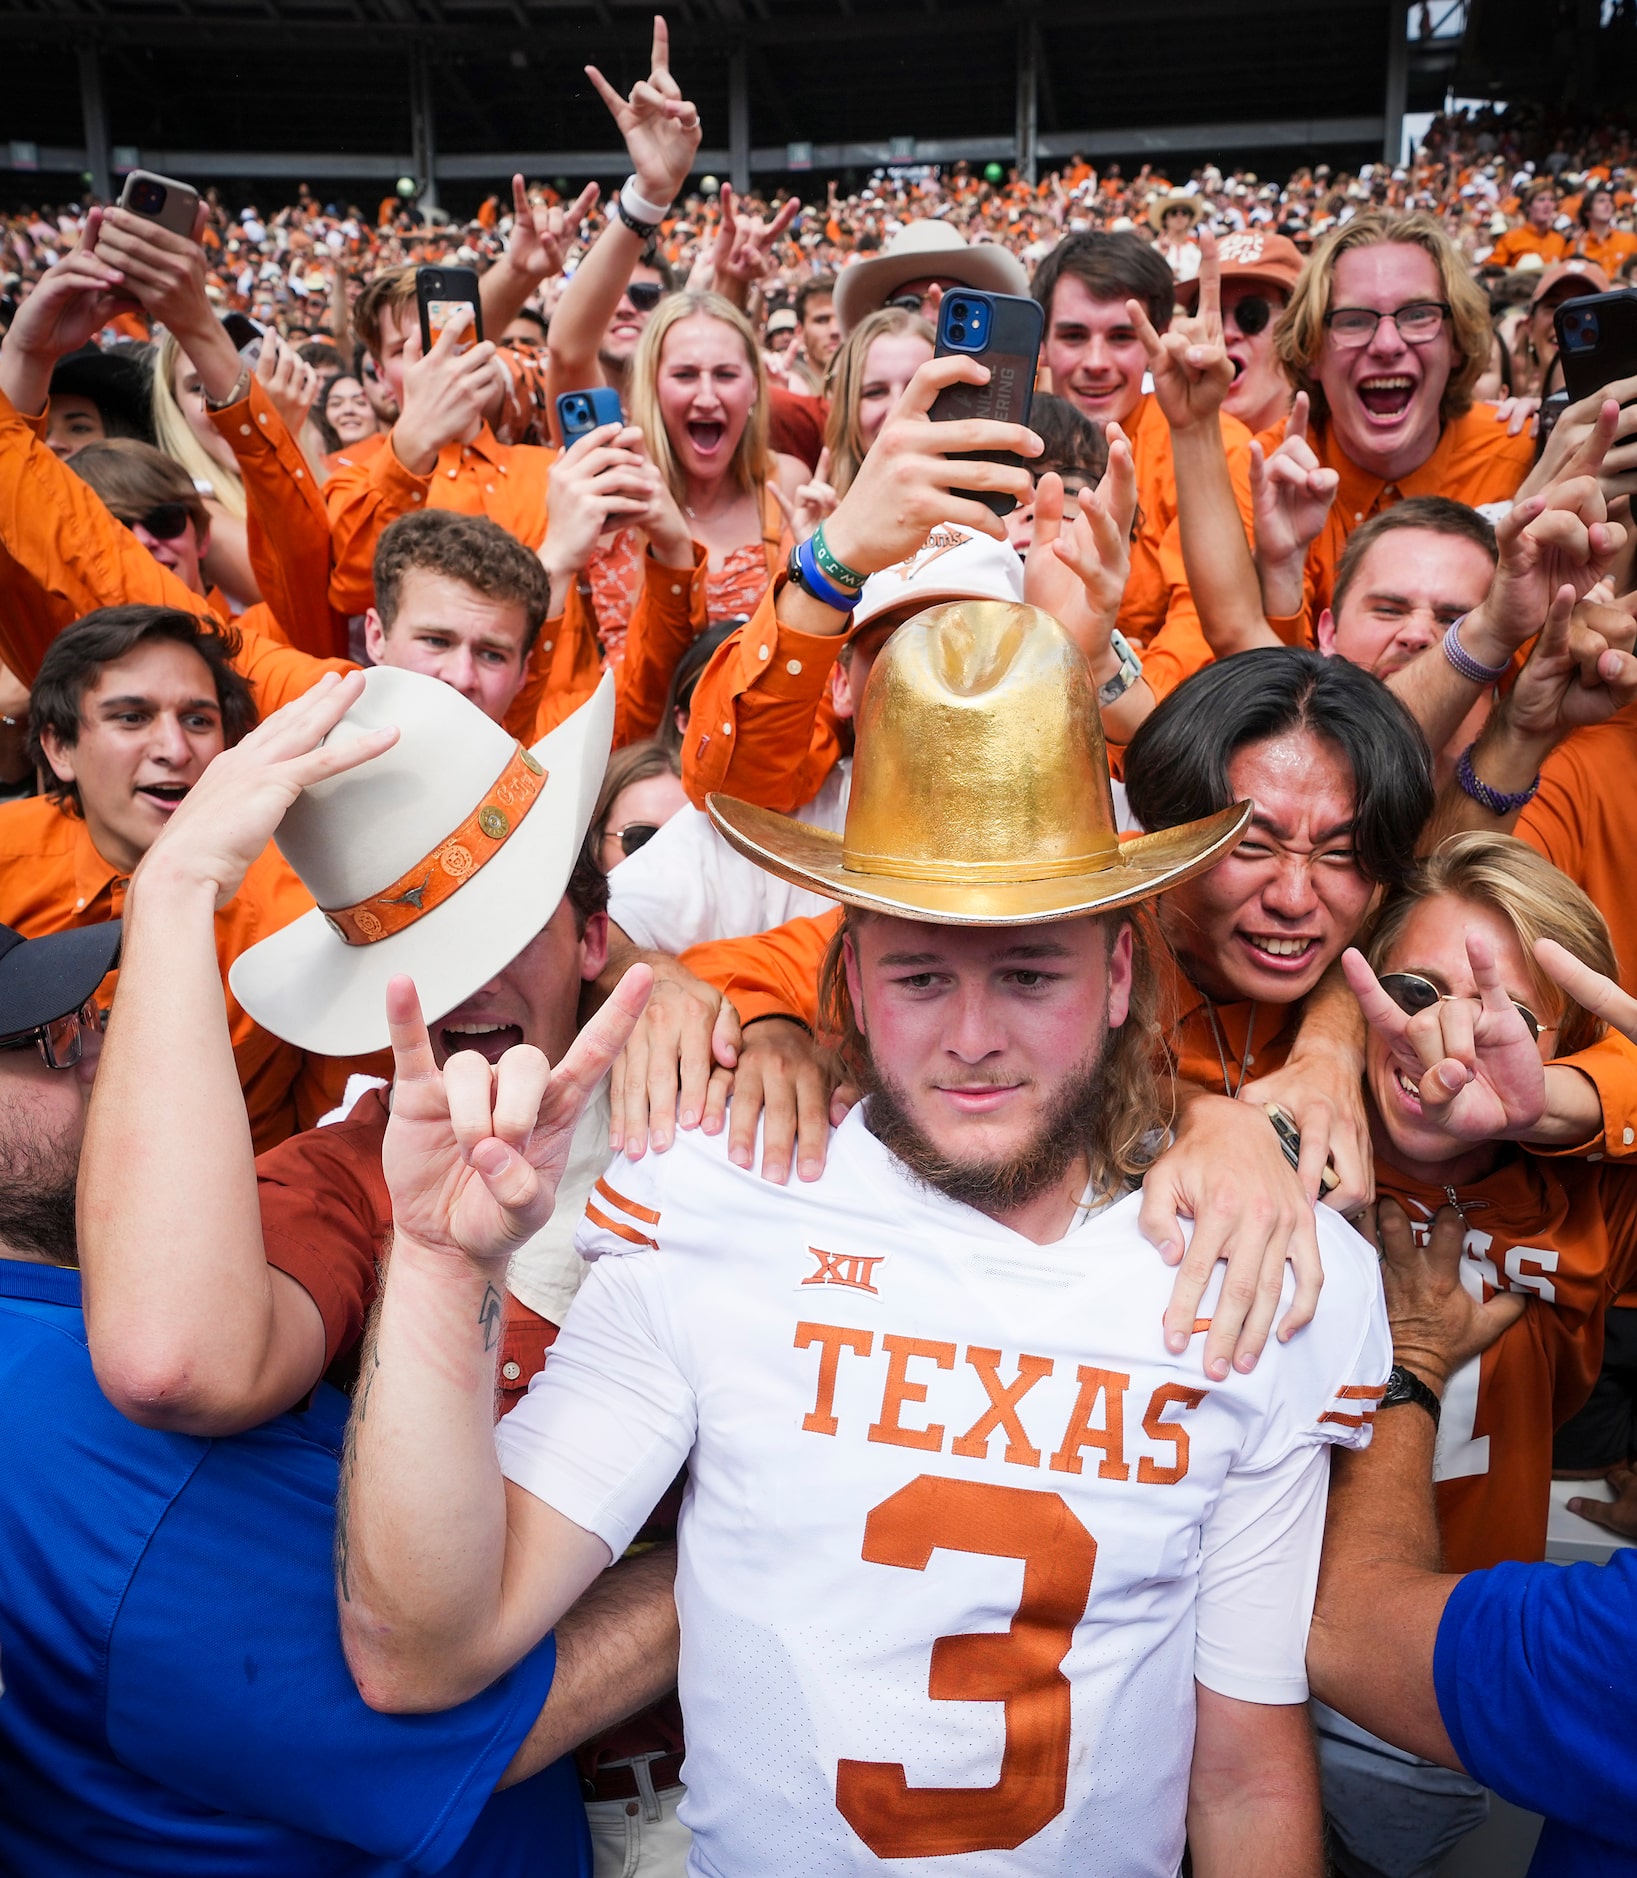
1128, 674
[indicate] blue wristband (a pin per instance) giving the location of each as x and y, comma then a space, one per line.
805, 571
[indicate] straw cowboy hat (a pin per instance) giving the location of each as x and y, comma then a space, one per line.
927, 250
980, 792
442, 858
1162, 206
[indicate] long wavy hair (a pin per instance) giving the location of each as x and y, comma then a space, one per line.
842, 436
749, 465
1299, 334
176, 438
1140, 1097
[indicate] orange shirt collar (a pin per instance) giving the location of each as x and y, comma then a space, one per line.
1360, 493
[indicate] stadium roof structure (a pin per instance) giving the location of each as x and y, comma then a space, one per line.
461, 92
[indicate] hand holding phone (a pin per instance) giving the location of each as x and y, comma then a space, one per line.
581, 412
1003, 332
161, 199
1597, 341
439, 292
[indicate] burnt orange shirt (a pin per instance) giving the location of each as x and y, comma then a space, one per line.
1566, 1232
506, 482
288, 525
1517, 242
761, 727
770, 974
1608, 251
1474, 461
52, 879
1157, 612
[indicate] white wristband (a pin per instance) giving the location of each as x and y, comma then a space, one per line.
637, 205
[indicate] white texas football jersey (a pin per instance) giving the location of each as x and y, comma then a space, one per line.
960, 1534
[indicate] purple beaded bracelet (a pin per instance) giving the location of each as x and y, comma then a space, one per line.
1491, 799
1464, 662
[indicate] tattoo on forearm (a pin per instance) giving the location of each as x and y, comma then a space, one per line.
489, 1314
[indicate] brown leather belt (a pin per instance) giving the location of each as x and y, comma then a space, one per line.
617, 1780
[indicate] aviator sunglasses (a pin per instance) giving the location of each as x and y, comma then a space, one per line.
643, 294
1413, 993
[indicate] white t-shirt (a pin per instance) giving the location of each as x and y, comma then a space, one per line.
688, 885
863, 1525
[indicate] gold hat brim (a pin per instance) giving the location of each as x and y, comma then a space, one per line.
812, 858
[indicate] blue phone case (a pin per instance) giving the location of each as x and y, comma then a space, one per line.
1005, 331
581, 411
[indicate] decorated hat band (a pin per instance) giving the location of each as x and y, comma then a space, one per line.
451, 863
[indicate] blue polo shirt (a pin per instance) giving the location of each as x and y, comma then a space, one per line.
175, 1698
1536, 1672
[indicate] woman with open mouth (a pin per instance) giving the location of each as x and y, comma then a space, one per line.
698, 391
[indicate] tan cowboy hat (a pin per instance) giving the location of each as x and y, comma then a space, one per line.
980, 792
442, 858
926, 250
1162, 206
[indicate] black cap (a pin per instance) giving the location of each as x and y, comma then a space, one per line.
115, 383
44, 979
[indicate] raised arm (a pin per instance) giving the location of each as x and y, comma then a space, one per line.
1192, 375
1292, 494
535, 252
189, 1328
472, 1157
661, 132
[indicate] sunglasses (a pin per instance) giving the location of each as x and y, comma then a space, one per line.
61, 1042
1412, 993
907, 302
643, 294
633, 835
1252, 315
165, 522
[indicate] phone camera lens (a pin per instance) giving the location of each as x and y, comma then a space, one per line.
957, 332
148, 199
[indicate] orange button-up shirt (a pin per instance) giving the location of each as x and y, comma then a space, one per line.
288, 525
1607, 251
1157, 611
1517, 242
506, 482
1474, 461
52, 879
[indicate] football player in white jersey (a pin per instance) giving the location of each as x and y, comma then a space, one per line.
975, 1576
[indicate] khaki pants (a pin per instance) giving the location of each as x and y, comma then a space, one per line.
638, 1838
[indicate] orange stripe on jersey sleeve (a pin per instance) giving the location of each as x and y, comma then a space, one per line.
595, 1214
648, 1213
1348, 1421
1362, 1392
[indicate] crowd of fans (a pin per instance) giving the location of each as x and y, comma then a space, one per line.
330, 663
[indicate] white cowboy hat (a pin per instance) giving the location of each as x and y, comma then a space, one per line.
927, 250
442, 858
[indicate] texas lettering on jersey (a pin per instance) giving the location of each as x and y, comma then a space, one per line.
960, 1533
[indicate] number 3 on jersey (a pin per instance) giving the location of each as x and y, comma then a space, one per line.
1021, 1667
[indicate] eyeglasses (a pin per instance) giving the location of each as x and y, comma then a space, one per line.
61, 1042
1251, 315
643, 294
1418, 324
1412, 993
633, 835
165, 522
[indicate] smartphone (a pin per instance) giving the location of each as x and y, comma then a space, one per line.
161, 199
246, 336
439, 292
581, 411
1290, 1144
1005, 331
1596, 341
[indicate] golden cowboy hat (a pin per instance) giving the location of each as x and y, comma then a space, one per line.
980, 792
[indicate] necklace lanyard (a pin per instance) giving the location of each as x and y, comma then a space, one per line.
1222, 1049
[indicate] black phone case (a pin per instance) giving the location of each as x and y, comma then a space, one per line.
1016, 328
1611, 354
447, 283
